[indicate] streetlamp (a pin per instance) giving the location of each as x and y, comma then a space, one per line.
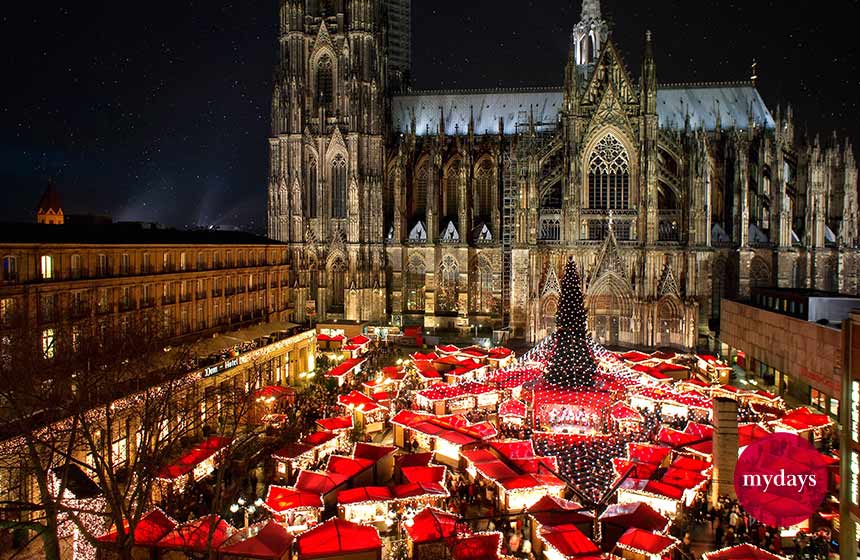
247, 509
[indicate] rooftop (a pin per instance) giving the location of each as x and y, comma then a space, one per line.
124, 233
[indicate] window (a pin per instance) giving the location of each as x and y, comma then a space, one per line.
338, 174
103, 304
48, 307
817, 399
76, 266
48, 344
201, 318
78, 303
165, 262
311, 203
146, 297
126, 298
183, 261
448, 284
484, 301
102, 267
119, 452
419, 196
229, 259
415, 281
486, 191
338, 285
201, 261
10, 269
125, 264
451, 204
834, 407
47, 267
609, 175
7, 311
147, 263
325, 84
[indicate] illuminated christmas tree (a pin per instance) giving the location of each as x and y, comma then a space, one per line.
571, 363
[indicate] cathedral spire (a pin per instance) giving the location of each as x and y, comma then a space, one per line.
590, 34
590, 9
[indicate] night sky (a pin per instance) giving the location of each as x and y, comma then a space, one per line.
159, 111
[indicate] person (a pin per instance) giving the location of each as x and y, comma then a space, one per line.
718, 534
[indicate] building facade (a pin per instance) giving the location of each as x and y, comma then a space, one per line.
452, 208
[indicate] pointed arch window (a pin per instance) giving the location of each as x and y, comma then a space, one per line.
415, 281
483, 295
325, 84
486, 192
337, 281
388, 202
609, 175
338, 181
419, 194
311, 200
449, 279
451, 204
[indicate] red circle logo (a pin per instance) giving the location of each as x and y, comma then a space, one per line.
781, 479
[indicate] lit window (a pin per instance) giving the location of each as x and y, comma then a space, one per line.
76, 266
817, 399
834, 407
47, 262
48, 343
855, 411
855, 477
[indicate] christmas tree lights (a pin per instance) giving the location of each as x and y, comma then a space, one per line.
571, 364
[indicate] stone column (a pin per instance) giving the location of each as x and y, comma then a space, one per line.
725, 448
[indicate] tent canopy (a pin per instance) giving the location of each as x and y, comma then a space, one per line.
335, 423
569, 540
151, 528
639, 515
651, 543
480, 546
319, 482
424, 474
431, 525
337, 537
267, 541
280, 499
364, 494
741, 552
194, 536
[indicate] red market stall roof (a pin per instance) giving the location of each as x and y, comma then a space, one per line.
364, 494
359, 340
480, 546
428, 357
453, 428
291, 451
569, 541
530, 481
663, 489
475, 352
358, 401
371, 451
509, 379
663, 355
318, 438
151, 528
427, 371
634, 356
637, 540
674, 438
337, 537
765, 395
622, 411
553, 504
741, 552
346, 367
513, 407
280, 499
551, 511
267, 541
443, 391
432, 525
326, 338
347, 466
690, 464
644, 453
447, 349
802, 419
319, 482
186, 463
274, 392
680, 478
335, 423
516, 449
499, 353
640, 470
423, 474
701, 430
414, 459
417, 489
194, 536
393, 372
639, 515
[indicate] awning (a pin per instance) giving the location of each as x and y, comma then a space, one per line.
423, 474
337, 537
639, 541
267, 541
280, 499
741, 552
186, 463
480, 546
319, 483
347, 466
335, 423
364, 494
569, 541
194, 536
639, 515
151, 528
431, 525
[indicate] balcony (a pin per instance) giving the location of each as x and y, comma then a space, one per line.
597, 223
549, 226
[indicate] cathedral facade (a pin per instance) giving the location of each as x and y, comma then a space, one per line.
458, 209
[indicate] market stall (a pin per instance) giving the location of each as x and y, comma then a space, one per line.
429, 534
345, 371
325, 484
552, 511
199, 536
512, 412
295, 509
563, 542
267, 540
293, 457
193, 465
444, 399
741, 552
150, 529
477, 546
637, 544
365, 504
369, 414
338, 539
618, 518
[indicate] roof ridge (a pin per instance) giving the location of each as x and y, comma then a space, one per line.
727, 83
451, 91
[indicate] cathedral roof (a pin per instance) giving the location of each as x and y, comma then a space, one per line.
736, 102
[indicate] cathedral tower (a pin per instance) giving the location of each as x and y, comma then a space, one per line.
326, 153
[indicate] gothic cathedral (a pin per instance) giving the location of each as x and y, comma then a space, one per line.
454, 209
